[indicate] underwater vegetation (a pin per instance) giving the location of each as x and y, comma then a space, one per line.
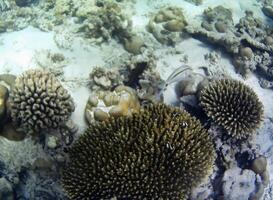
232, 105
159, 153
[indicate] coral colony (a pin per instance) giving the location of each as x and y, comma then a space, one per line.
115, 99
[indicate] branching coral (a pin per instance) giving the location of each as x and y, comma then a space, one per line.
159, 153
232, 105
39, 101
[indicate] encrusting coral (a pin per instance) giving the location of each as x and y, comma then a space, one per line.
39, 102
159, 153
232, 105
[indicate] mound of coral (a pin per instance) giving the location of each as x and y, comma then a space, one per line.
123, 101
158, 153
167, 25
39, 102
233, 105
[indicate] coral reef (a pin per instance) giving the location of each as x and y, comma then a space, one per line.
216, 28
96, 20
102, 79
268, 8
161, 152
232, 105
167, 25
250, 41
106, 20
123, 101
217, 19
139, 72
130, 152
39, 102
255, 33
101, 21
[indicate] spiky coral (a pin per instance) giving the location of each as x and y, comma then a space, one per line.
158, 153
233, 105
39, 101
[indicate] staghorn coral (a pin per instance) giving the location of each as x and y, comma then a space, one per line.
250, 41
232, 105
39, 101
158, 153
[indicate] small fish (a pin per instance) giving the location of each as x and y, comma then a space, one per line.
176, 75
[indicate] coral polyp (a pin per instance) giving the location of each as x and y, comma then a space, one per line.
159, 153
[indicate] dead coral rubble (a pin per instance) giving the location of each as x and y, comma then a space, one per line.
167, 25
249, 42
96, 20
268, 8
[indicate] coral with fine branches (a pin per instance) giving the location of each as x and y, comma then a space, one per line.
233, 105
158, 153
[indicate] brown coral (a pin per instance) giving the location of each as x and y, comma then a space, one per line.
167, 25
232, 105
38, 101
159, 153
123, 101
